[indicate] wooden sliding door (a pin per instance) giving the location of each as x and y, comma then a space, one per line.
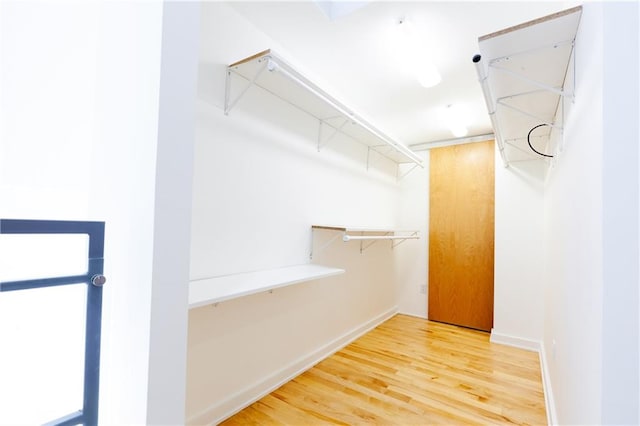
461, 234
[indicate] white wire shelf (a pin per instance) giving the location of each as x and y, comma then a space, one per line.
214, 290
372, 235
273, 74
526, 74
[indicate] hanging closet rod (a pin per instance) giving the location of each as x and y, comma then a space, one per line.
276, 65
484, 83
379, 237
280, 65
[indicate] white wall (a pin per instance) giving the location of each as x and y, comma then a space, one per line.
519, 265
573, 235
591, 230
519, 255
47, 95
620, 139
81, 103
412, 257
563, 268
519, 252
126, 134
259, 185
172, 218
146, 89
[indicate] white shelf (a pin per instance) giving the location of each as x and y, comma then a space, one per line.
366, 234
272, 73
350, 230
524, 71
218, 289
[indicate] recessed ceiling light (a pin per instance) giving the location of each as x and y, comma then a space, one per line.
427, 74
455, 118
459, 132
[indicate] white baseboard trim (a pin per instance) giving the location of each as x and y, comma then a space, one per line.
552, 415
221, 410
518, 342
410, 314
535, 346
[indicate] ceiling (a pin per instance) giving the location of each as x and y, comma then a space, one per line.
355, 55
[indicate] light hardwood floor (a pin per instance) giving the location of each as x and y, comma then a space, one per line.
410, 371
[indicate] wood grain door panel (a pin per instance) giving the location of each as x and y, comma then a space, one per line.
461, 235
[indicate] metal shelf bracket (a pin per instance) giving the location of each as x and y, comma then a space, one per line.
228, 102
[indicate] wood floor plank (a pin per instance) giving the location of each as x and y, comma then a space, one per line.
410, 371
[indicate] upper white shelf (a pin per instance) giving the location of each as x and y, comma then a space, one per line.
526, 76
272, 73
218, 289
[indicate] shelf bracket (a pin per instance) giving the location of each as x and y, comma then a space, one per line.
528, 114
525, 151
336, 130
402, 176
364, 246
531, 81
322, 247
370, 160
251, 71
388, 235
534, 50
366, 241
508, 69
412, 236
511, 140
383, 151
228, 102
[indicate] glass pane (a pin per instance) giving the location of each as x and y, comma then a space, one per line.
41, 353
41, 256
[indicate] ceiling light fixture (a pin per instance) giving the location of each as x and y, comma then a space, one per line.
413, 53
455, 118
427, 74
